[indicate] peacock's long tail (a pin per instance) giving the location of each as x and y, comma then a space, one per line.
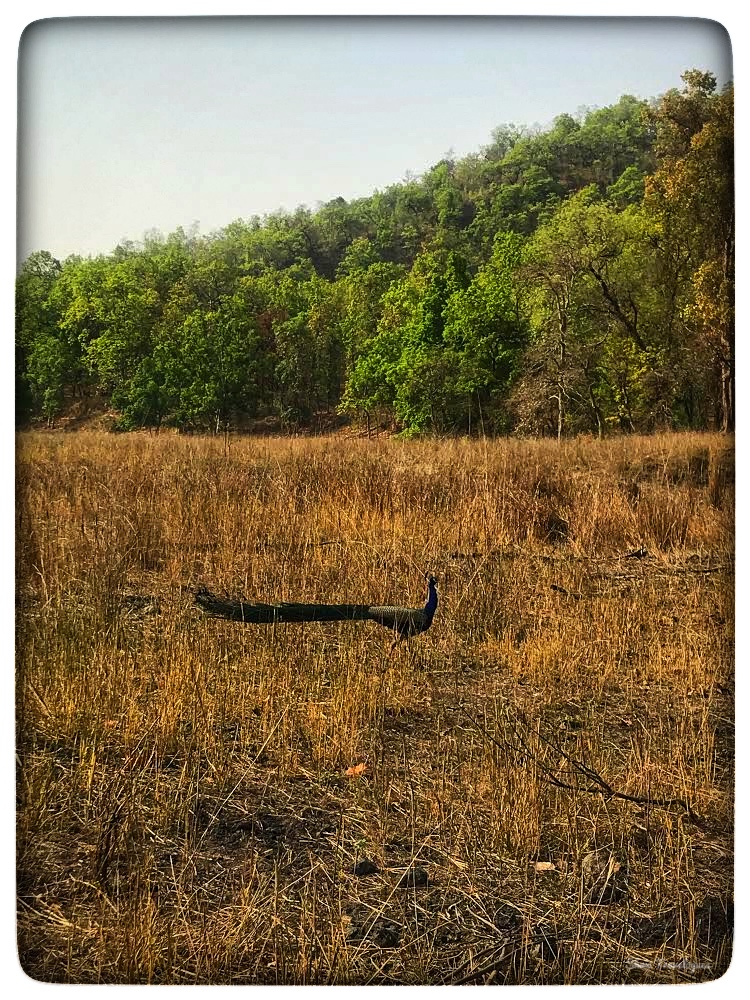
267, 614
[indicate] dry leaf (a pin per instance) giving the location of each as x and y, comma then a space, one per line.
356, 771
544, 866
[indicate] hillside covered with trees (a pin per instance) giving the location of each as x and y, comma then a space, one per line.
578, 279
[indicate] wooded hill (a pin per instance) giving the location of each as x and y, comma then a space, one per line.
578, 279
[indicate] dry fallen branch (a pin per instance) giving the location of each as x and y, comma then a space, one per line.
591, 782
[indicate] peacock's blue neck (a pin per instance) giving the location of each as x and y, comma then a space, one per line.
432, 598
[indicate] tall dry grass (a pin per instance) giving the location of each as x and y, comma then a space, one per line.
184, 813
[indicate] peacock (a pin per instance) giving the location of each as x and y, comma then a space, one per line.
406, 622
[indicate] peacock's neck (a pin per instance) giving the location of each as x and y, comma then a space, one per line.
432, 600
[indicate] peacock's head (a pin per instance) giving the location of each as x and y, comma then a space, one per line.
431, 580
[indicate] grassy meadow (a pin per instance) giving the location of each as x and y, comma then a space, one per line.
539, 789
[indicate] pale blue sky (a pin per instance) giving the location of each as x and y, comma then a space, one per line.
128, 125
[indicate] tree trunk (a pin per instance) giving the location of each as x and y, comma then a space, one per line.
562, 319
727, 361
726, 375
597, 413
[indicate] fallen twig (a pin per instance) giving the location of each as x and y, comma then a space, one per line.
594, 784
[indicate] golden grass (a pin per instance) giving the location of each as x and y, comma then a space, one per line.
184, 815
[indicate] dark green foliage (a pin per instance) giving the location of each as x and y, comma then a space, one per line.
578, 278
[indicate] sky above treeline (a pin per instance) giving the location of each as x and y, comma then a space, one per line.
129, 125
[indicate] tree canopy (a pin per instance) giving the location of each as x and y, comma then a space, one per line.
578, 278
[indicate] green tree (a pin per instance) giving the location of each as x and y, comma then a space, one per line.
600, 348
56, 367
486, 334
36, 331
406, 366
126, 307
691, 197
203, 372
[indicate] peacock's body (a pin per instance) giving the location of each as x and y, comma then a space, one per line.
406, 622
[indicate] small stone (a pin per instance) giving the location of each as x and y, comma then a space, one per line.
386, 935
507, 917
544, 866
414, 878
365, 867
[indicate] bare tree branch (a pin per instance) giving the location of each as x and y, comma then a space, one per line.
591, 783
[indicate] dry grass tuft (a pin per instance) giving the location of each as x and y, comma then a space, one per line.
184, 812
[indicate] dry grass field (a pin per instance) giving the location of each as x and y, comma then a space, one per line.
540, 788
